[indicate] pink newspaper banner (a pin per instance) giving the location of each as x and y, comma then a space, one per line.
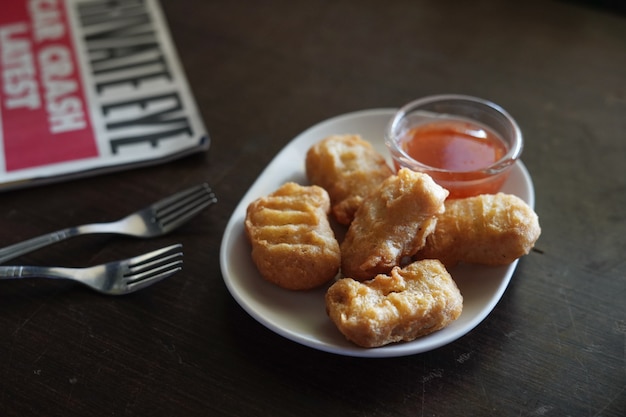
44, 111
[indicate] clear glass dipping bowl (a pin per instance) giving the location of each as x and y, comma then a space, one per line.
464, 183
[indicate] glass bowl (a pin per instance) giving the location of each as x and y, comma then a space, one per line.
466, 144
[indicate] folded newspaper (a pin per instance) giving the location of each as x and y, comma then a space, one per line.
90, 86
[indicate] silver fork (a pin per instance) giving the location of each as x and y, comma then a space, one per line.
157, 219
113, 278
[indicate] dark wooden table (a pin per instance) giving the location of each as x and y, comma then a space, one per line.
262, 72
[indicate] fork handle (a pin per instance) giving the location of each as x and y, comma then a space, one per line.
16, 272
35, 243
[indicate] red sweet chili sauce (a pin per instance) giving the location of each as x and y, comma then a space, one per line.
463, 149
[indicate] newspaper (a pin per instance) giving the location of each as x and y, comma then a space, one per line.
90, 86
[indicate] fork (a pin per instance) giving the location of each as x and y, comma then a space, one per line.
157, 219
113, 278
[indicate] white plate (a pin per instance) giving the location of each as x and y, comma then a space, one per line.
301, 316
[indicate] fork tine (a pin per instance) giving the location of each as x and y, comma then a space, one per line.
182, 206
137, 285
175, 199
155, 254
139, 272
145, 270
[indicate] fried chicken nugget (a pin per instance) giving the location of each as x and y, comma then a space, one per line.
411, 302
349, 168
392, 223
293, 245
490, 229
